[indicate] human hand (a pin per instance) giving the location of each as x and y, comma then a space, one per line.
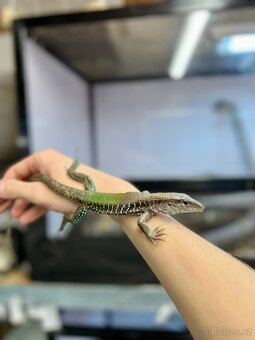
31, 200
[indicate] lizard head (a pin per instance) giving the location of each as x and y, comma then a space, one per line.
176, 203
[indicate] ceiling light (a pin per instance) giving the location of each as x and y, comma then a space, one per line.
237, 44
190, 36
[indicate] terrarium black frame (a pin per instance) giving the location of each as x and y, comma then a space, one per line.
24, 27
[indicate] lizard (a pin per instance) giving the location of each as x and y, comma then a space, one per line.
142, 204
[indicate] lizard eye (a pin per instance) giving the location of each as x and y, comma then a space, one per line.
185, 202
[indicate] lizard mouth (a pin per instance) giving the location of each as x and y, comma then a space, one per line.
200, 206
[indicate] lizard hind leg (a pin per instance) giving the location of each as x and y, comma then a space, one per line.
74, 218
80, 177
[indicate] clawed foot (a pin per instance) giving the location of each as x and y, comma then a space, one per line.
156, 234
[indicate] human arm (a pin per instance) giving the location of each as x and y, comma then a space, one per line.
209, 287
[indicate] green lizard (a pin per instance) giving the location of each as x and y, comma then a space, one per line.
143, 204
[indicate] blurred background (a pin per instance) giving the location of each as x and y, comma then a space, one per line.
160, 93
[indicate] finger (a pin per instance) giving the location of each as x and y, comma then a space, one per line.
19, 206
4, 205
32, 214
13, 189
23, 169
36, 193
2, 200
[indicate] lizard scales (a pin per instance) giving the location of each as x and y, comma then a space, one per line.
143, 204
119, 203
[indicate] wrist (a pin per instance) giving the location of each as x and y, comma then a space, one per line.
105, 182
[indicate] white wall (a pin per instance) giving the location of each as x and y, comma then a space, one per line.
57, 105
164, 129
58, 109
144, 129
157, 129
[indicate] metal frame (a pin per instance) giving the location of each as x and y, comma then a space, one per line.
23, 27
198, 186
124, 334
178, 7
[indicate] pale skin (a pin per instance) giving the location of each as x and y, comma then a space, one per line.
210, 288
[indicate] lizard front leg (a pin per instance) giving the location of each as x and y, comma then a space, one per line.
151, 234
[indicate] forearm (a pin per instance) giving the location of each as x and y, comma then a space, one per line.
209, 287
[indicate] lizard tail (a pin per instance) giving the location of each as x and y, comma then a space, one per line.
62, 190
